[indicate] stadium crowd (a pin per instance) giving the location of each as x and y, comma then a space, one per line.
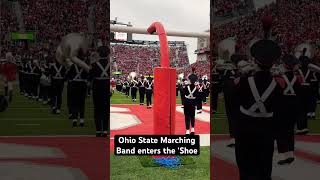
294, 22
223, 8
142, 58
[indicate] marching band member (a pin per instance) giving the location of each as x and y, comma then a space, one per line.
287, 113
57, 73
35, 74
134, 88
126, 87
45, 83
141, 89
306, 99
182, 86
216, 89
190, 92
149, 90
99, 74
206, 89
227, 78
200, 95
256, 97
314, 83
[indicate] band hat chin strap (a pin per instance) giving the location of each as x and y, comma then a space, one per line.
259, 100
289, 85
190, 96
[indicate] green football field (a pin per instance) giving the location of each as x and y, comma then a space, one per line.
130, 167
26, 117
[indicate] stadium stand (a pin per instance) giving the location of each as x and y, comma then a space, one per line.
142, 58
227, 8
294, 22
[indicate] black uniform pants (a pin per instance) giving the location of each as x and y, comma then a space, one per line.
127, 91
69, 96
286, 117
189, 115
215, 97
134, 93
28, 85
182, 97
118, 87
89, 87
177, 91
43, 92
149, 97
199, 100
57, 90
78, 90
304, 108
314, 97
35, 81
254, 154
285, 138
141, 94
230, 107
101, 104
21, 81
205, 95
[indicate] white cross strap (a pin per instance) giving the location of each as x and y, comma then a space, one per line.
289, 85
58, 72
104, 74
305, 77
190, 96
32, 68
314, 77
200, 88
134, 83
259, 100
207, 85
78, 75
149, 85
142, 84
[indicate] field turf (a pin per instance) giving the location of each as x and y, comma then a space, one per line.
132, 167
129, 167
27, 117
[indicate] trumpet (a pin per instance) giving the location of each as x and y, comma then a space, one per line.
131, 76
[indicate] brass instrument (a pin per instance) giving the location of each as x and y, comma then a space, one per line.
68, 50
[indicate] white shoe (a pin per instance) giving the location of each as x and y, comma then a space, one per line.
187, 132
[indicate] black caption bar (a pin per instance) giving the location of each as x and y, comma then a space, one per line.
156, 145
